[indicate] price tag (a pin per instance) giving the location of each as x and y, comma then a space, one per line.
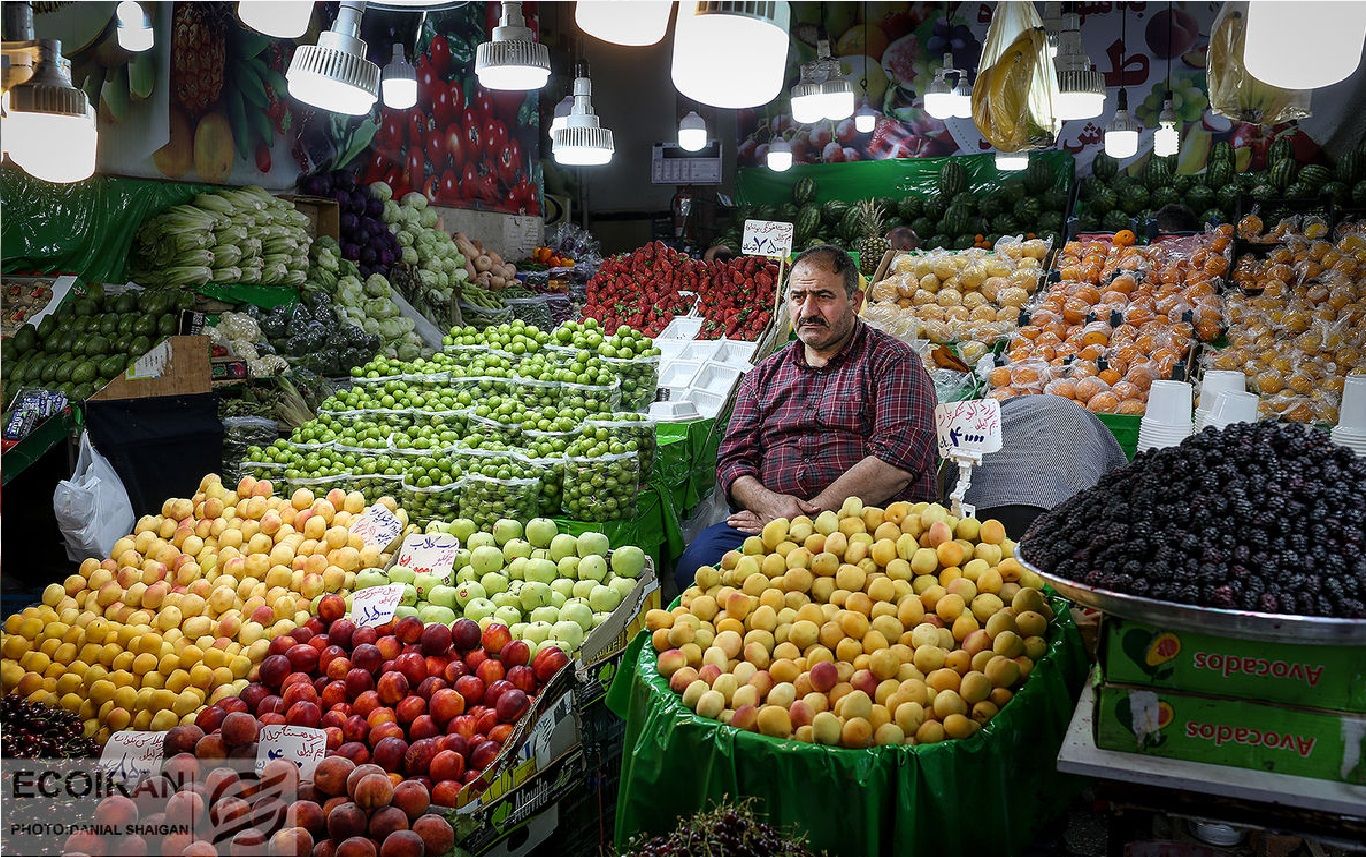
972, 427
767, 238
377, 527
375, 605
152, 364
301, 745
132, 756
429, 553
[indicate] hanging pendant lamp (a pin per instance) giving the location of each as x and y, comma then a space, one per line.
730, 53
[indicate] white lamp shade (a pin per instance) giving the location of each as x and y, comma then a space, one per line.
283, 19
1121, 144
779, 156
52, 146
865, 120
807, 109
728, 59
962, 103
692, 132
1078, 105
939, 104
633, 23
328, 94
134, 27
513, 77
1305, 44
582, 156
1166, 140
400, 93
1012, 161
837, 106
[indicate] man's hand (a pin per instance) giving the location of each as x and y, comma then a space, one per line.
776, 506
746, 522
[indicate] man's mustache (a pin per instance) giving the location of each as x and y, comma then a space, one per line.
813, 322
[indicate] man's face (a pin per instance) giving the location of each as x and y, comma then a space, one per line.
822, 314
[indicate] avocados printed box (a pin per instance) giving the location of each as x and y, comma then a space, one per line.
1328, 677
1261, 736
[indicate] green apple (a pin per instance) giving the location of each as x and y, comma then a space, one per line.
540, 553
409, 598
545, 614
534, 594
569, 567
579, 612
442, 595
563, 585
562, 546
517, 568
486, 559
434, 527
507, 615
494, 582
347, 599
402, 574
505, 530
466, 574
540, 571
539, 531
517, 548
599, 618
558, 598
505, 599
623, 585
536, 632
583, 587
518, 630
603, 599
479, 608
424, 583
466, 593
628, 561
569, 632
480, 540
462, 559
593, 567
403, 611
462, 529
432, 614
592, 544
486, 621
370, 577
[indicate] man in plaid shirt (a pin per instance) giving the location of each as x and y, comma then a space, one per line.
845, 411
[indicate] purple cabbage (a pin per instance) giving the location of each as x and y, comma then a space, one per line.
349, 222
374, 206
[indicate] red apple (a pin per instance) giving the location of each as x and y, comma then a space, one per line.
548, 662
389, 646
389, 753
423, 726
515, 653
355, 751
495, 637
419, 756
445, 704
523, 678
512, 704
392, 687
367, 656
471, 688
465, 635
482, 755
331, 607
409, 708
412, 666
454, 670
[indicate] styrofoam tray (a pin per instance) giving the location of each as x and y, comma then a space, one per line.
708, 404
670, 349
678, 373
682, 327
700, 350
735, 351
674, 411
716, 378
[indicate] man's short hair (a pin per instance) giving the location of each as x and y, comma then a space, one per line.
836, 261
1174, 217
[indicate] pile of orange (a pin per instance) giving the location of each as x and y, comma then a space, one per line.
1298, 328
1119, 317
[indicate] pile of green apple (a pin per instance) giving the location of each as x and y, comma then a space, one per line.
549, 588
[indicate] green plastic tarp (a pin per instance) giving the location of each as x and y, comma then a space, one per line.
988, 794
896, 177
83, 228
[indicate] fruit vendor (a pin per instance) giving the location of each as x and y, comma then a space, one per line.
845, 411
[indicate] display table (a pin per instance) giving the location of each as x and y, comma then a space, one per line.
988, 794
52, 431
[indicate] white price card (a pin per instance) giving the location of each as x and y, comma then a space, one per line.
378, 527
972, 427
132, 756
767, 238
429, 553
375, 605
301, 745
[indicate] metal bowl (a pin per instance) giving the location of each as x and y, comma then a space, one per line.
1241, 624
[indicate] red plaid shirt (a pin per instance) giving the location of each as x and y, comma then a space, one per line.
798, 428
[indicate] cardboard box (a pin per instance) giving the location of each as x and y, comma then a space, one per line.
522, 840
1328, 677
324, 215
1262, 736
600, 655
481, 828
178, 366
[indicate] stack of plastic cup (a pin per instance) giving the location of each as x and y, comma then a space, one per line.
1232, 406
1351, 428
1167, 421
1215, 382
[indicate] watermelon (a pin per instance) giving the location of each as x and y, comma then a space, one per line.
1055, 198
1158, 173
1086, 188
1221, 151
1027, 211
1339, 191
964, 241
922, 225
1282, 173
1247, 179
1281, 150
1037, 177
1213, 216
787, 213
1115, 221
942, 241
808, 220
1228, 196
1165, 195
1088, 222
992, 204
1218, 174
1300, 190
1014, 191
1199, 198
1050, 221
1134, 199
1004, 223
1182, 184
1315, 176
1104, 167
1263, 192
953, 179
803, 190
1348, 168
957, 219
765, 212
935, 205
910, 208
1102, 202
834, 212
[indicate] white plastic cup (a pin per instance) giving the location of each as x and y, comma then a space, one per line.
1233, 406
1352, 413
1215, 382
1169, 403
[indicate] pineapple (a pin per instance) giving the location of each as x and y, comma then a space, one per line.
873, 244
198, 54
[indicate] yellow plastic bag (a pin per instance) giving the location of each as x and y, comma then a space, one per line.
1012, 99
1235, 93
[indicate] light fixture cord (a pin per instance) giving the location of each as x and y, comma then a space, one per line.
1170, 16
1123, 43
863, 81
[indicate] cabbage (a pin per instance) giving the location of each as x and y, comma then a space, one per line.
413, 199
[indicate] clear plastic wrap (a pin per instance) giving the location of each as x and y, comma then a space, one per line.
639, 380
537, 394
586, 399
431, 502
601, 488
1012, 97
533, 310
638, 435
486, 499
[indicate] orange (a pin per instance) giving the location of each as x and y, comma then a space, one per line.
1088, 388
1132, 406
1103, 403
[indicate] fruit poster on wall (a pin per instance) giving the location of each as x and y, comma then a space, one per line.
892, 54
462, 145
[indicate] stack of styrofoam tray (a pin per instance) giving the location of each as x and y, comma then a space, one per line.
682, 327
712, 386
737, 353
674, 411
700, 350
677, 375
669, 349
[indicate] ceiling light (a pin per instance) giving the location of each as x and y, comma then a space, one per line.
134, 26
283, 19
837, 97
865, 119
583, 141
939, 96
1081, 89
692, 132
1166, 139
1303, 45
731, 53
779, 155
513, 59
1012, 161
1121, 137
561, 117
962, 100
633, 23
807, 106
400, 82
823, 92
49, 124
334, 74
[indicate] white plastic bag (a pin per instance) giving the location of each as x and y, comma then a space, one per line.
92, 507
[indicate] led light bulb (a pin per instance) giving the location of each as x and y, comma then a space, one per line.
513, 59
1166, 139
49, 125
334, 74
730, 53
692, 132
1305, 44
779, 155
582, 141
134, 26
400, 82
1012, 161
865, 119
1121, 137
633, 23
283, 19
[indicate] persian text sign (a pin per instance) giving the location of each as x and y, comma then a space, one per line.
767, 238
972, 427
